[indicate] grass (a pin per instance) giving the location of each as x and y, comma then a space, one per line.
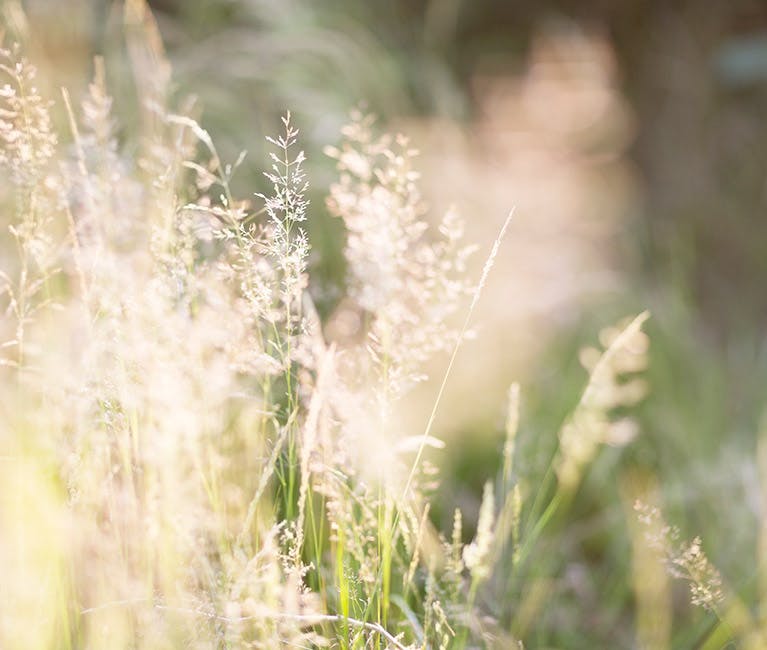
190, 459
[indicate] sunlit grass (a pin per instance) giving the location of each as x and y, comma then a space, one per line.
189, 459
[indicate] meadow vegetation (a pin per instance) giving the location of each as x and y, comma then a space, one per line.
189, 458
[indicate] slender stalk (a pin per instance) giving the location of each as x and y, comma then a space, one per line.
461, 335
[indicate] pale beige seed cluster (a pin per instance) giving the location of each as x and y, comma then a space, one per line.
684, 560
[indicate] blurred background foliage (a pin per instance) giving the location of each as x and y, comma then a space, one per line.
632, 139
